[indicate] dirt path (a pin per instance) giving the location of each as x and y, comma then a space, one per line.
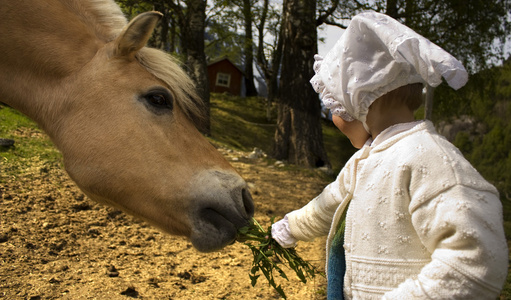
57, 244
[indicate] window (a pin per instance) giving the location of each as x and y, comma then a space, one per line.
223, 79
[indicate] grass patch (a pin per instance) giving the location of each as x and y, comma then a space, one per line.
241, 123
30, 140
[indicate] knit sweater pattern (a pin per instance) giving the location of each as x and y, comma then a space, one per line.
422, 223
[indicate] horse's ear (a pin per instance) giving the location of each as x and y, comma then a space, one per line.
136, 34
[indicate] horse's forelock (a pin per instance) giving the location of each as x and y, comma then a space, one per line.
166, 68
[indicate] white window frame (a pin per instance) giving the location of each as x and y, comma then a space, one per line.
223, 79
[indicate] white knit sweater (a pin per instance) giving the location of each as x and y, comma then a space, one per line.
422, 223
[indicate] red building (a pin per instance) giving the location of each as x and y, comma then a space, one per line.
225, 77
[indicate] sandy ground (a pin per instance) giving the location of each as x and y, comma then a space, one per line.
57, 244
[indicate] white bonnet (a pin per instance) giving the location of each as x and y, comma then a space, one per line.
375, 55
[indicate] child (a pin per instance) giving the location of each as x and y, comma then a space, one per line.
407, 217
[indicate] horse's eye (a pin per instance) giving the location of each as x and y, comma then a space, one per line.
159, 98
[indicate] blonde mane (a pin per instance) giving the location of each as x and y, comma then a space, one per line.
107, 20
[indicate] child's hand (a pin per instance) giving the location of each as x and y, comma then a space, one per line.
282, 234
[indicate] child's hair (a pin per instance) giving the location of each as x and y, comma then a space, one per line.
410, 94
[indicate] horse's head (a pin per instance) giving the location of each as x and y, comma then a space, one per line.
128, 139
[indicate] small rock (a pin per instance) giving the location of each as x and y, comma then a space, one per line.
198, 279
114, 213
6, 143
3, 238
93, 232
184, 275
58, 246
53, 280
180, 286
63, 268
30, 246
81, 207
279, 163
112, 271
130, 292
257, 153
327, 170
153, 282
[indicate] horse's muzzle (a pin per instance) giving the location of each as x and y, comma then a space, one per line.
224, 205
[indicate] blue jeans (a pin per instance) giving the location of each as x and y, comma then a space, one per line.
336, 267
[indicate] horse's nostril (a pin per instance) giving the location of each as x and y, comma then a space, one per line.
247, 202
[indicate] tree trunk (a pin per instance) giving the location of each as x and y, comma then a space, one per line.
249, 50
270, 69
192, 37
272, 86
173, 33
162, 41
298, 137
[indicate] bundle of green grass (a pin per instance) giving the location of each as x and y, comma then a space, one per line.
269, 256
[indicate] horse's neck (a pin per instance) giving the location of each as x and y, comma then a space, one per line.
42, 43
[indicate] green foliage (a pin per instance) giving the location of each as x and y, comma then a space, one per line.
462, 141
492, 158
224, 37
131, 8
221, 42
269, 255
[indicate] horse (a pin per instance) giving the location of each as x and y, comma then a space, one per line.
123, 115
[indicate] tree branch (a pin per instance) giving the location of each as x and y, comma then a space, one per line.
323, 17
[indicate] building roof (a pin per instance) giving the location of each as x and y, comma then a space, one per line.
217, 60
